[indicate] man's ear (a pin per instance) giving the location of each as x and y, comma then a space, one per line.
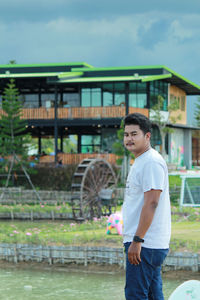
148, 135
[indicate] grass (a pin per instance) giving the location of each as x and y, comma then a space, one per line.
185, 229
185, 234
40, 208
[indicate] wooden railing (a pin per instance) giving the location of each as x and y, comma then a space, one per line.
143, 111
79, 112
74, 159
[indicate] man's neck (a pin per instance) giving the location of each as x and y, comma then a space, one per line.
143, 151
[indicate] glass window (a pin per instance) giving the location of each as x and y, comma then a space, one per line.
158, 88
70, 99
119, 94
133, 100
137, 94
109, 137
48, 100
142, 100
90, 143
141, 94
155, 137
107, 94
132, 94
85, 97
91, 97
30, 100
96, 97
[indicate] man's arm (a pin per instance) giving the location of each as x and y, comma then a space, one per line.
151, 199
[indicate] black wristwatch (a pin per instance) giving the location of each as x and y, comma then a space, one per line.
137, 239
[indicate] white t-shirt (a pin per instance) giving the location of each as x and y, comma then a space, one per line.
149, 171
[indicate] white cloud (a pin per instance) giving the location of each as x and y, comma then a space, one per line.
128, 39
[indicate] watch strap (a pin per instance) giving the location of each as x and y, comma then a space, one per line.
137, 239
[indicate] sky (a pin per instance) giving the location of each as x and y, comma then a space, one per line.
103, 33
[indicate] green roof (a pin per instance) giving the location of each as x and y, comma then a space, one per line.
81, 72
116, 78
101, 79
121, 68
26, 75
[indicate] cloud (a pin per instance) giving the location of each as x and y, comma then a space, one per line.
102, 33
155, 33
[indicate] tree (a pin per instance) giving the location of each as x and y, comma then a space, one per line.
163, 118
14, 139
12, 62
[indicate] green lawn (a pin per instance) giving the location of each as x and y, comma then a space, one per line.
185, 234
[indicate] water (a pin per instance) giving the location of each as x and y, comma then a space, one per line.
30, 284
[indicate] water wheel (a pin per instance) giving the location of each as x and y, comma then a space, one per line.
91, 177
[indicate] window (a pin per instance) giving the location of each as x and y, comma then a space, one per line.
70, 99
48, 100
90, 143
141, 95
119, 94
96, 97
133, 94
30, 100
85, 97
137, 94
91, 97
158, 88
107, 90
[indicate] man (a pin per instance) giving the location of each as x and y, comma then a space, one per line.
146, 213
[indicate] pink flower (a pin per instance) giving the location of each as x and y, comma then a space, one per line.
72, 224
28, 233
41, 205
15, 231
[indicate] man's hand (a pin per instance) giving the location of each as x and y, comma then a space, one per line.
134, 253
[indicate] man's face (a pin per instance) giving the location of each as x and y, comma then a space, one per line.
135, 140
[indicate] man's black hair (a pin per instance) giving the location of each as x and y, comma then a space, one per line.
138, 119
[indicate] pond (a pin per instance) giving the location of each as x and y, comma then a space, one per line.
19, 284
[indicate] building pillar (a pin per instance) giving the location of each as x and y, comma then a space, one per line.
127, 98
61, 140
148, 95
40, 98
39, 143
188, 148
169, 147
79, 143
56, 124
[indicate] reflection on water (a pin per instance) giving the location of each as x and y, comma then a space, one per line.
24, 284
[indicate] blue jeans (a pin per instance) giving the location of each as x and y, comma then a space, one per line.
143, 281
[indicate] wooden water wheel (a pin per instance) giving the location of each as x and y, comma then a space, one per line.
92, 178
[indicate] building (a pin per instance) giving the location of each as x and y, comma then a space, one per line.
61, 100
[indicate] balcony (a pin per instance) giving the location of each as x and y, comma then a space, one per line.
74, 159
79, 112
